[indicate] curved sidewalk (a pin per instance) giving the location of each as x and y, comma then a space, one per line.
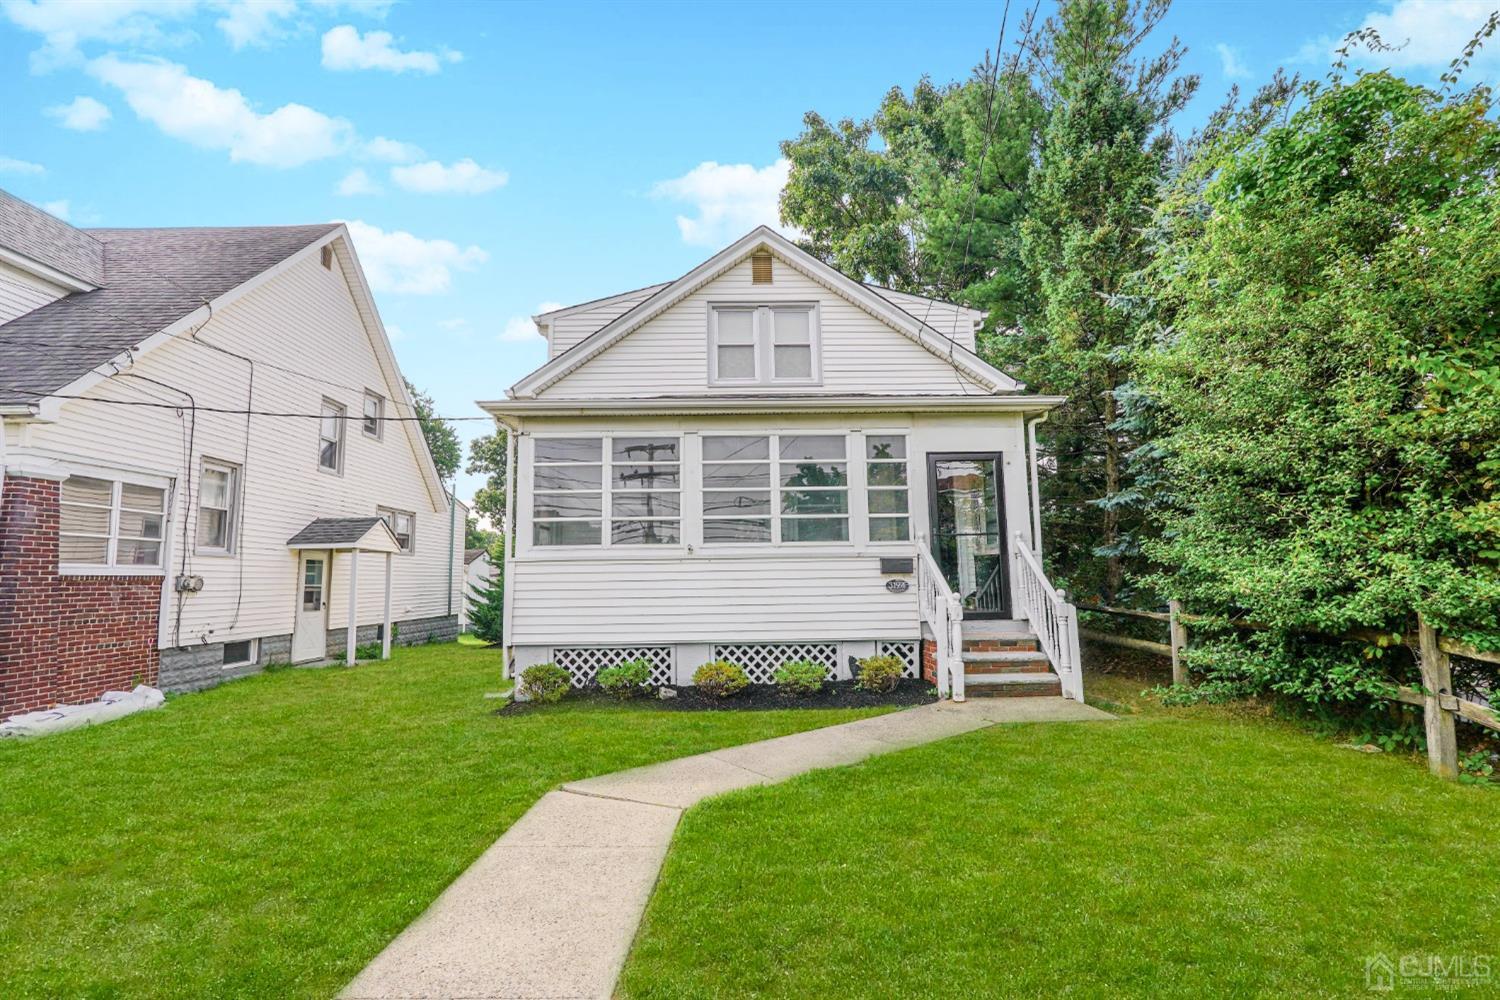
550, 909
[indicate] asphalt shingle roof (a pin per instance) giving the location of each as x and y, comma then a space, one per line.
333, 531
46, 239
151, 278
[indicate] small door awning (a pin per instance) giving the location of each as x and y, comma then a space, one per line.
343, 534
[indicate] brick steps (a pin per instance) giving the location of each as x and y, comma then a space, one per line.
1009, 662
1018, 685
1001, 663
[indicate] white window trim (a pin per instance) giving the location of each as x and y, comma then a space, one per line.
232, 531
867, 487
342, 422
606, 493
763, 337
379, 432
775, 461
111, 568
389, 514
254, 654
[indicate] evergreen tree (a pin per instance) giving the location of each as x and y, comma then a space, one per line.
442, 439
487, 612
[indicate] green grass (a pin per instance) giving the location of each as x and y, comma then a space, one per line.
1170, 855
267, 838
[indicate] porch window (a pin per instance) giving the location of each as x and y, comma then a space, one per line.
218, 493
331, 437
645, 491
814, 481
104, 522
567, 491
885, 479
763, 345
403, 524
736, 489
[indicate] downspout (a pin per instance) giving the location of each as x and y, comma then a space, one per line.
452, 519
508, 548
1036, 487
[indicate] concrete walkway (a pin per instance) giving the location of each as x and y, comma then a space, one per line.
550, 910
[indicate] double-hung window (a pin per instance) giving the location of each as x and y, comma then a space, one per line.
763, 345
218, 494
374, 410
632, 483
403, 524
567, 491
736, 489
814, 480
645, 491
331, 437
886, 487
108, 523
786, 487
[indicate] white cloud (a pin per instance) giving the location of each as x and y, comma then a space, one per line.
357, 182
730, 199
58, 208
463, 177
10, 165
210, 117
1233, 62
397, 261
1428, 34
345, 49
392, 151
520, 329
82, 114
254, 22
65, 24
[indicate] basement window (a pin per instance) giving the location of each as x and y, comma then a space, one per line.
241, 653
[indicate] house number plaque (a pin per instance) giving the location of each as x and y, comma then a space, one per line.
897, 586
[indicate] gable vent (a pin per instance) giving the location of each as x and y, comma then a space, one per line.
760, 267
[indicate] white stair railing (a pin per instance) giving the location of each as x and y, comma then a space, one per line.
944, 615
1052, 618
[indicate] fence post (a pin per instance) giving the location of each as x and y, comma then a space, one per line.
1179, 640
1438, 703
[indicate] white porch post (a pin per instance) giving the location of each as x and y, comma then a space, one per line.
350, 641
385, 631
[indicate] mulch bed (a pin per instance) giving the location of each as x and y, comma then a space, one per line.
755, 698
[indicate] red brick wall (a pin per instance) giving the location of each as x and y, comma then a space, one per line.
65, 639
929, 661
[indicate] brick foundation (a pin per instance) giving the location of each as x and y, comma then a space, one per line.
65, 639
929, 661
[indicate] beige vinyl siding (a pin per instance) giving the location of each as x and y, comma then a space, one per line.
21, 292
706, 600
669, 355
569, 329
303, 319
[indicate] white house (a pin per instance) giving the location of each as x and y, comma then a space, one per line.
478, 572
210, 461
766, 460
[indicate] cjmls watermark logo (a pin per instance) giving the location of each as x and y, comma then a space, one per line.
1384, 974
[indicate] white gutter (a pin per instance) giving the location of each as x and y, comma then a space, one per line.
503, 408
1036, 486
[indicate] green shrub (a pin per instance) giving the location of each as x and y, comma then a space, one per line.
627, 679
545, 682
367, 651
721, 679
800, 678
879, 673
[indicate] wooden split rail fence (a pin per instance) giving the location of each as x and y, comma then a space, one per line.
1440, 706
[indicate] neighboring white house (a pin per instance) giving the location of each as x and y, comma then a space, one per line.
767, 460
478, 572
203, 429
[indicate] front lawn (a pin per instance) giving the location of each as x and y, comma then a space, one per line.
1198, 854
269, 837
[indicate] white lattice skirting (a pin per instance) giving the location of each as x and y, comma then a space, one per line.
904, 650
760, 660
583, 663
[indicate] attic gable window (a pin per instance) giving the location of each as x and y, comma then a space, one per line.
764, 345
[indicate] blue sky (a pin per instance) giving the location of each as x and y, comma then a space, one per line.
495, 157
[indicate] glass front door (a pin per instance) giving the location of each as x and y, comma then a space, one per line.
968, 531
